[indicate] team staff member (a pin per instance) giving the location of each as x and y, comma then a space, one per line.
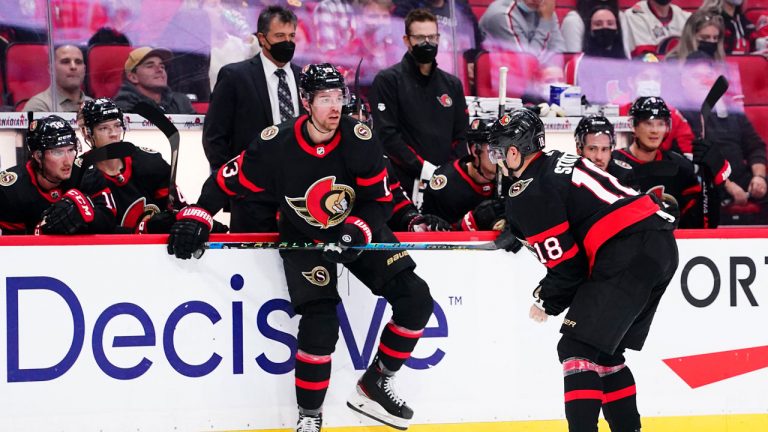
329, 175
419, 110
610, 254
43, 187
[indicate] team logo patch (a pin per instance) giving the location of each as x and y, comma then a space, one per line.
325, 204
8, 178
518, 188
148, 150
362, 131
622, 164
269, 133
318, 276
381, 106
438, 182
445, 100
504, 120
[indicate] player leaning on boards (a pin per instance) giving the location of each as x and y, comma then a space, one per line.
609, 253
326, 172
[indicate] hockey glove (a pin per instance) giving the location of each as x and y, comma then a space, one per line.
507, 241
70, 215
157, 223
487, 216
428, 222
354, 232
190, 232
709, 156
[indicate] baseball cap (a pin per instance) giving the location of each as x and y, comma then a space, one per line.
137, 56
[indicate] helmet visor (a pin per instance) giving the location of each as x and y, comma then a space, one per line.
331, 97
496, 154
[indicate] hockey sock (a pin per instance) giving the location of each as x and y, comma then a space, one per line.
583, 394
619, 400
313, 373
396, 344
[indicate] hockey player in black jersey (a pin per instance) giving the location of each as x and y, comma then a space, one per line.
42, 189
327, 174
139, 182
595, 140
610, 254
667, 174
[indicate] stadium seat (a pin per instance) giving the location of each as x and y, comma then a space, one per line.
626, 4
480, 2
26, 71
758, 115
571, 65
479, 11
561, 12
522, 69
200, 107
105, 69
753, 70
753, 13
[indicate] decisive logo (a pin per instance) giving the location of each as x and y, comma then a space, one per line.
269, 133
438, 182
518, 188
8, 178
363, 132
318, 276
445, 100
325, 204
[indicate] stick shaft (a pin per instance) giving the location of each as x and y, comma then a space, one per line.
369, 247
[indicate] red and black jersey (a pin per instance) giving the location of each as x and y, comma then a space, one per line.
23, 201
680, 182
452, 192
315, 186
141, 185
565, 208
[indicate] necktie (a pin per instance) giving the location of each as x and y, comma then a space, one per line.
284, 96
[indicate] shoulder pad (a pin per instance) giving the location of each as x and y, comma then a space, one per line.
363, 132
7, 178
622, 164
269, 132
147, 149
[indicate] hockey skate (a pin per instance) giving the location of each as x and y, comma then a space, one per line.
375, 397
309, 423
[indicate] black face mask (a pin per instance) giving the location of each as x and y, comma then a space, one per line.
282, 51
424, 53
604, 37
709, 48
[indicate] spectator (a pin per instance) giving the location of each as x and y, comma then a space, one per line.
523, 25
739, 32
651, 22
245, 99
605, 36
577, 20
70, 74
231, 37
703, 32
419, 111
733, 134
334, 24
146, 81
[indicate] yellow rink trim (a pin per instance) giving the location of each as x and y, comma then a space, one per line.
714, 423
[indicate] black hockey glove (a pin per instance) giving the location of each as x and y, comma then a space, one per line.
158, 223
428, 222
485, 217
709, 155
190, 232
507, 241
70, 215
354, 232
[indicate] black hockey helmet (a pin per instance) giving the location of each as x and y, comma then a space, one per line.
100, 110
593, 124
649, 107
521, 128
49, 133
351, 107
479, 131
317, 77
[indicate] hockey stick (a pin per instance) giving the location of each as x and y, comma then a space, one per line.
488, 246
502, 108
358, 99
715, 93
116, 150
158, 118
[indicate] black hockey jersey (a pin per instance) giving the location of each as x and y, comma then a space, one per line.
315, 186
680, 183
452, 192
22, 201
564, 208
142, 185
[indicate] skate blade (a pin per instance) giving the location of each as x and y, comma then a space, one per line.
372, 409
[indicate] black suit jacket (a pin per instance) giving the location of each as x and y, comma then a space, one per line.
240, 109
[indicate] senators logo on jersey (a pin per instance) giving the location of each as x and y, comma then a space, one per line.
325, 204
317, 276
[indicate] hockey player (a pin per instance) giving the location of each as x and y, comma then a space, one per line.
329, 175
650, 123
139, 182
42, 188
609, 253
595, 140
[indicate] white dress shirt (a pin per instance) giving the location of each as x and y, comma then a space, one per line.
273, 81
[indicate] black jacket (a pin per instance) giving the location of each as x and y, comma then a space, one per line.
170, 103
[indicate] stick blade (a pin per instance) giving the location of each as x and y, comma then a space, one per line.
715, 93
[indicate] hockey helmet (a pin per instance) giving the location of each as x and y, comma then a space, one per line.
49, 133
478, 131
351, 107
100, 110
649, 107
521, 129
593, 124
318, 77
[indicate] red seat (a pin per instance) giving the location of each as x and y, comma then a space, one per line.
753, 70
561, 12
626, 4
571, 67
200, 107
480, 2
522, 69
105, 69
758, 115
479, 11
26, 71
753, 13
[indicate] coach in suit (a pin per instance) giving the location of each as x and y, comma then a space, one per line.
251, 95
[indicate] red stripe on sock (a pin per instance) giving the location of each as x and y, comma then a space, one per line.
404, 332
583, 394
619, 394
392, 353
312, 359
309, 385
